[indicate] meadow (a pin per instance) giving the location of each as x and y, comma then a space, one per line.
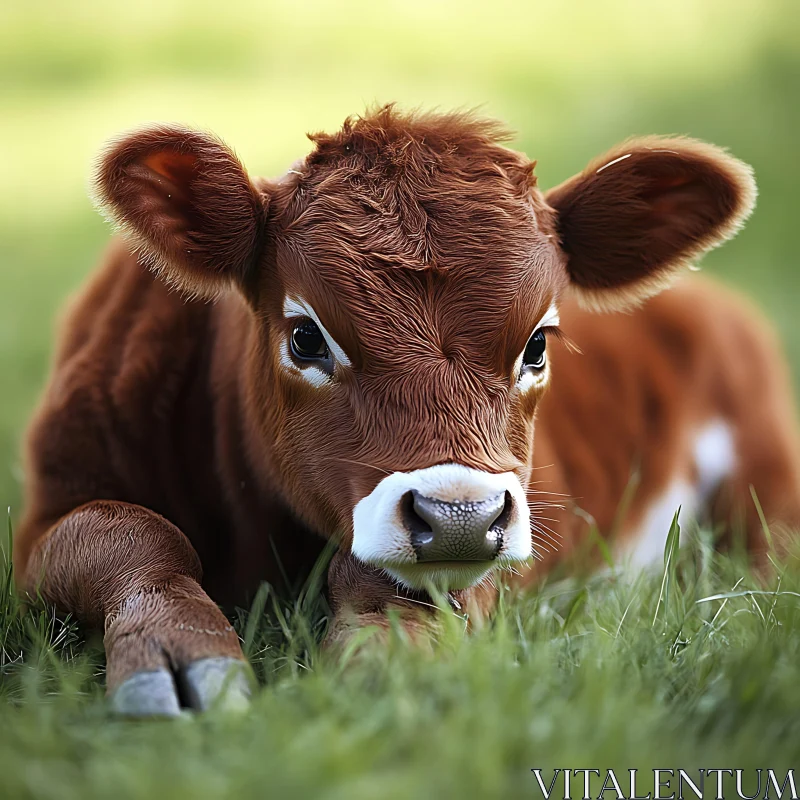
587, 673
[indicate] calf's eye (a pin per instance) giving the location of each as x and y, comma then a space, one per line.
307, 341
534, 356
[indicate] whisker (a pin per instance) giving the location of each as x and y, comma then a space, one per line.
545, 537
414, 600
550, 542
510, 569
547, 544
546, 530
545, 506
360, 463
546, 527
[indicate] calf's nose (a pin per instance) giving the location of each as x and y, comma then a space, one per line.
460, 531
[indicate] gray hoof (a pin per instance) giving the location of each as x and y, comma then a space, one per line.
210, 683
220, 683
150, 693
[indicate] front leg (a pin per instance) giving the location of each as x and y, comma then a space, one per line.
363, 595
130, 571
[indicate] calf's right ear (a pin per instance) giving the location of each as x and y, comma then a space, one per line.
186, 203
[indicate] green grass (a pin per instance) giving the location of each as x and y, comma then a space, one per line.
595, 673
695, 667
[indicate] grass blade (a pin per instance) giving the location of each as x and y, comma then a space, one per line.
670, 558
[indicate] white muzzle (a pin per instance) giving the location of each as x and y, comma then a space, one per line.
447, 525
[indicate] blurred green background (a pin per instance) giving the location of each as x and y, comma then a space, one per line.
573, 77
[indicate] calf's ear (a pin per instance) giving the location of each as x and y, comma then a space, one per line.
186, 203
635, 216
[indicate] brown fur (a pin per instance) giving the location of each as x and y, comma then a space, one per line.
429, 252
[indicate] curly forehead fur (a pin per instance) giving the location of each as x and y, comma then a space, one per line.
420, 191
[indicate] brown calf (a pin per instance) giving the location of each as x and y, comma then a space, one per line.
357, 351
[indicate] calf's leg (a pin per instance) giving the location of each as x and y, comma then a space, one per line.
130, 571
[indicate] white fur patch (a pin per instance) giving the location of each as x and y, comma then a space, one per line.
550, 318
286, 359
650, 539
714, 458
380, 537
531, 378
313, 375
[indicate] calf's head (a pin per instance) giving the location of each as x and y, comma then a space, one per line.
403, 283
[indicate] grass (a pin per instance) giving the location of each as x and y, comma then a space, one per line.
693, 667
587, 673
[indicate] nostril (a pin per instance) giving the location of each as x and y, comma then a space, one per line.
420, 530
504, 517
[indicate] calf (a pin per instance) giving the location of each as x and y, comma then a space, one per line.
357, 351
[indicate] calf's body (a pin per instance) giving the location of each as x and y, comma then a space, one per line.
357, 376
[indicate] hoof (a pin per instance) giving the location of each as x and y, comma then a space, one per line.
150, 693
221, 683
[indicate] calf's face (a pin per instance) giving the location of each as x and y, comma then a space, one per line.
404, 282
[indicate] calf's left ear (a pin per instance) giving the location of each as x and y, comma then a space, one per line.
635, 216
186, 202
